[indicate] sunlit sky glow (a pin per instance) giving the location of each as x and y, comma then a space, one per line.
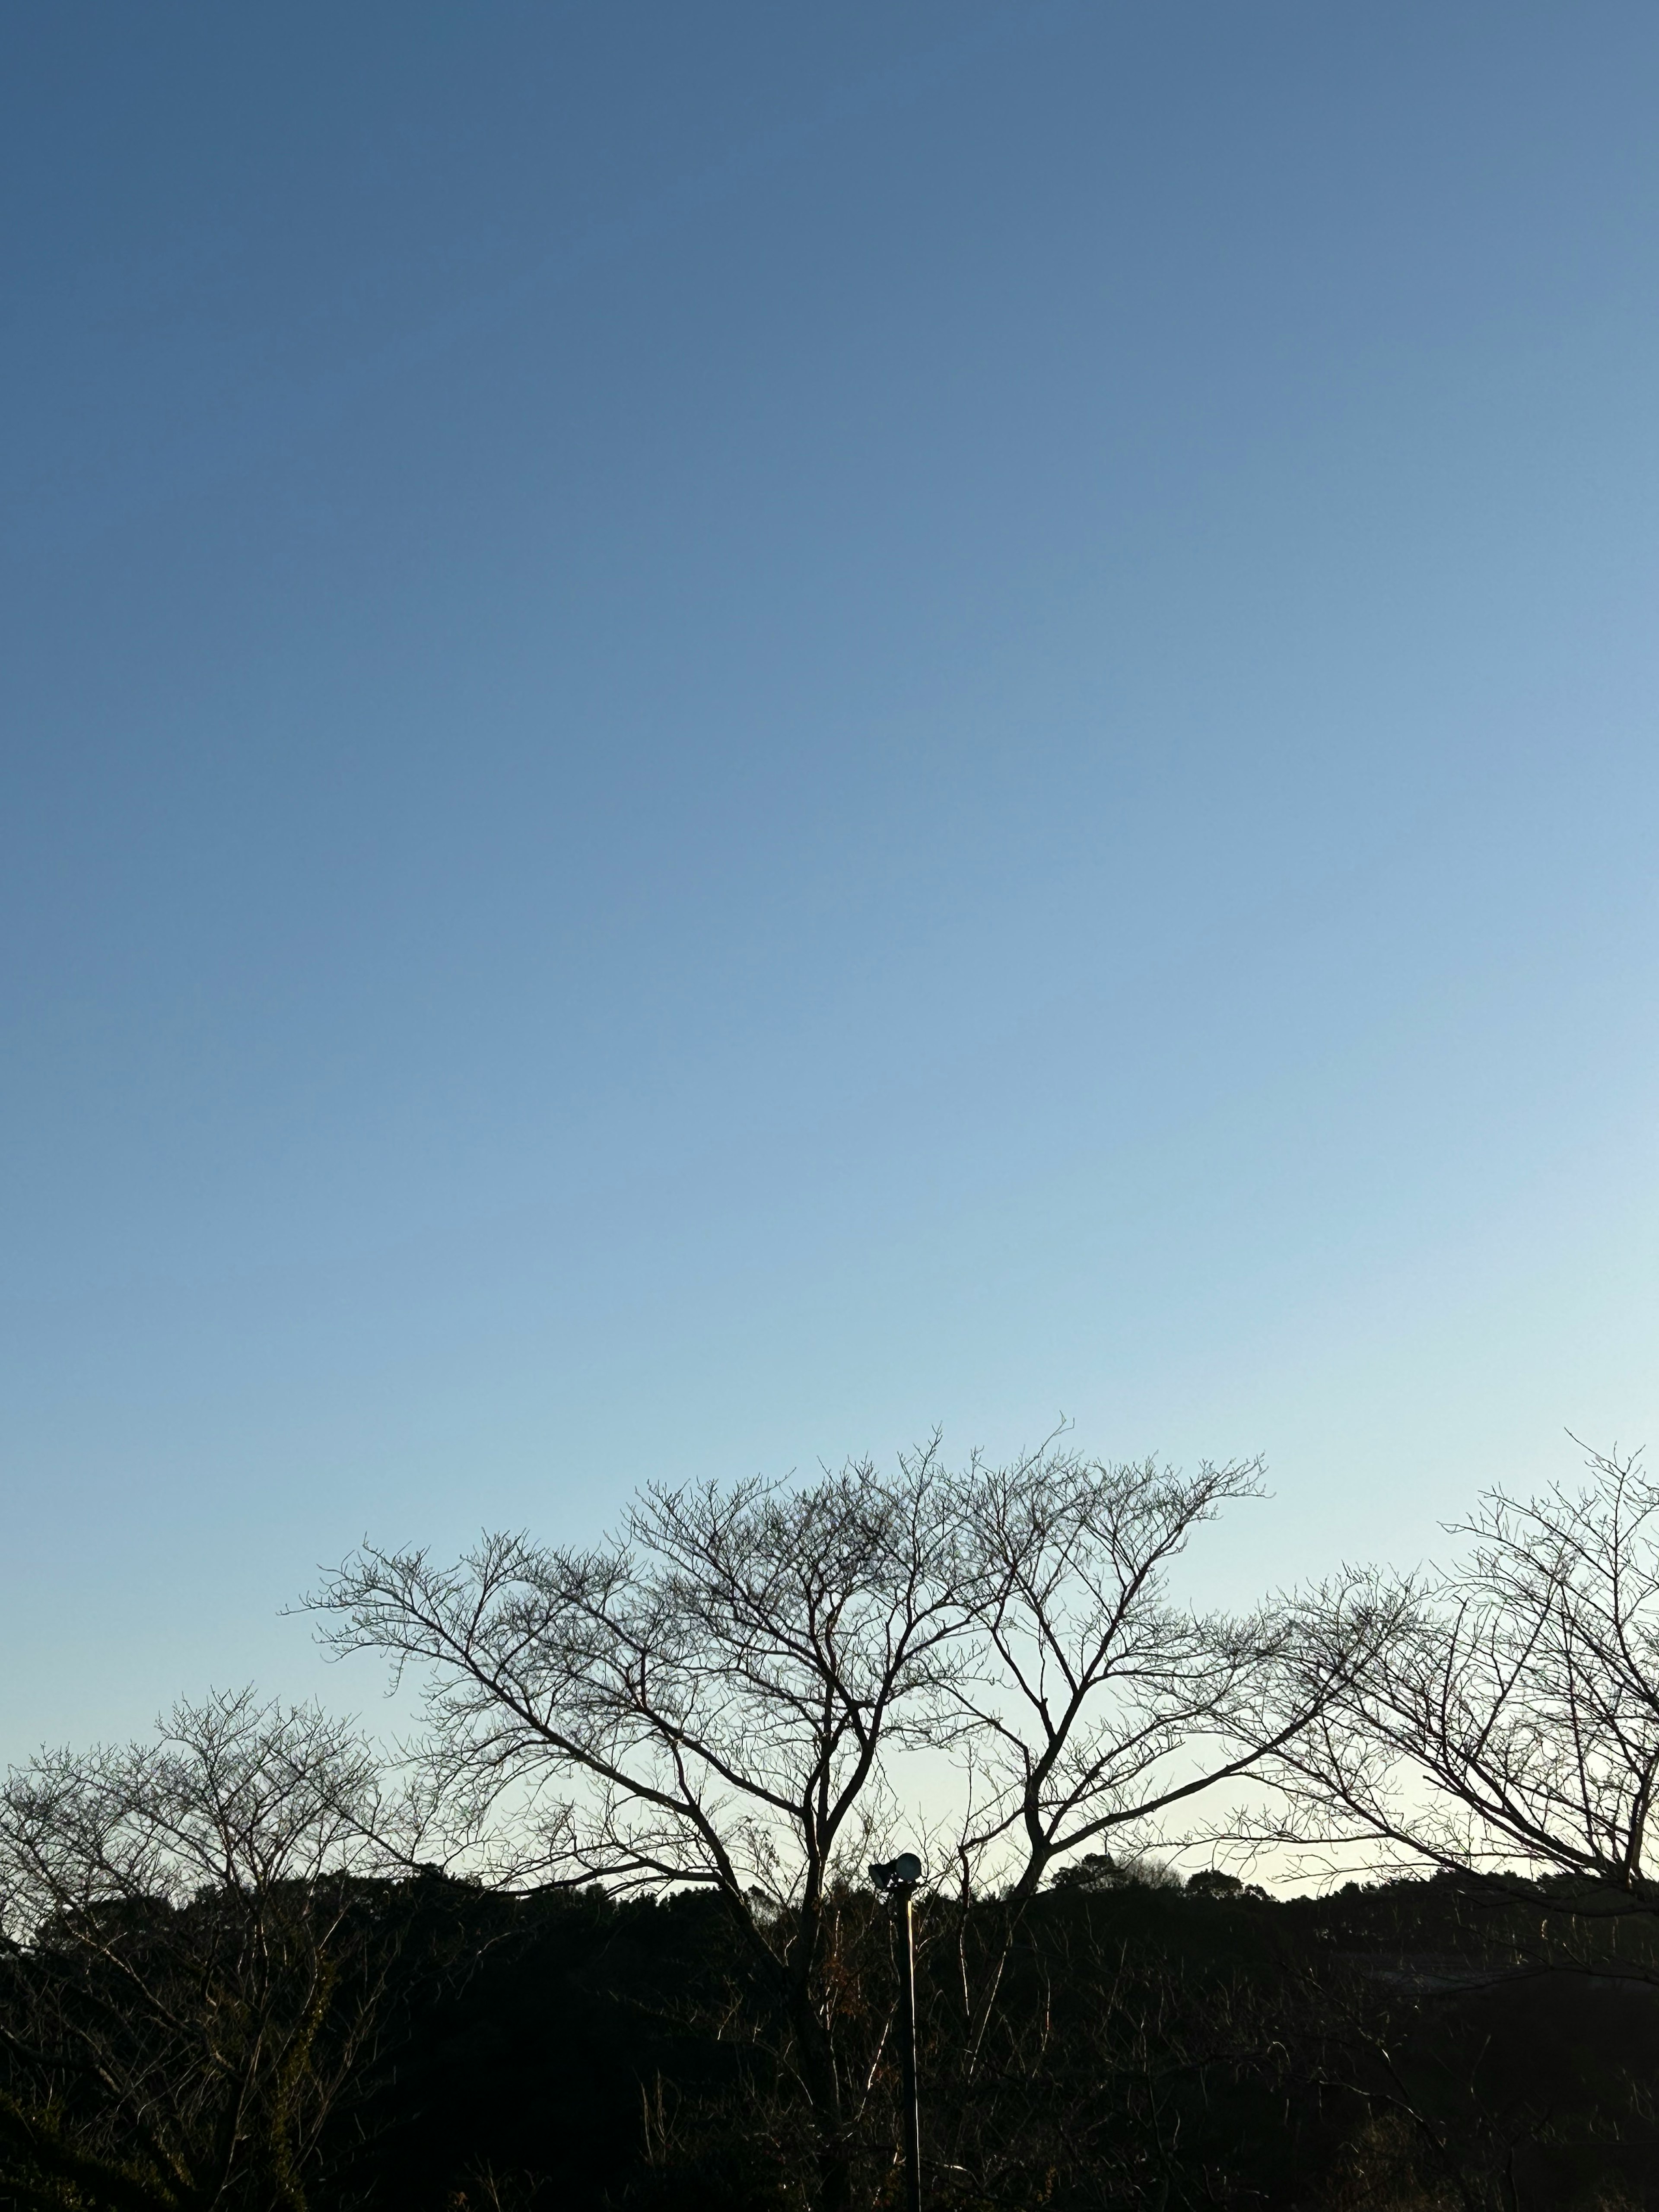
730, 730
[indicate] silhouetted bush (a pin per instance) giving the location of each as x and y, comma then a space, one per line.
1413, 2045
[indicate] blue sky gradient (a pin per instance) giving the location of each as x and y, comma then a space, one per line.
730, 730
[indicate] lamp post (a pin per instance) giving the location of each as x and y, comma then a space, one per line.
897, 1882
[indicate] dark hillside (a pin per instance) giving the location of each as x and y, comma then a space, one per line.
1410, 2045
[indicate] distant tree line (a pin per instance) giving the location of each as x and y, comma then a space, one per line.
603, 1937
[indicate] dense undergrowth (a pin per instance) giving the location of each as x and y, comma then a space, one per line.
1407, 2046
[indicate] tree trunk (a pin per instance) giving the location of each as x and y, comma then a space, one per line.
822, 2085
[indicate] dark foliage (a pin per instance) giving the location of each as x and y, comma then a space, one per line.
1407, 2045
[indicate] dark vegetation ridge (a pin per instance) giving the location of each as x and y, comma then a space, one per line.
1401, 2044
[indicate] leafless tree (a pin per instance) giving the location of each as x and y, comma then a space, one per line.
183, 1998
1095, 1700
707, 1699
1092, 1706
1500, 1718
726, 1694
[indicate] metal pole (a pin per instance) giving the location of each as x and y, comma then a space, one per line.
896, 1881
908, 2053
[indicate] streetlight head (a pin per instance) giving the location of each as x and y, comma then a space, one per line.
903, 1873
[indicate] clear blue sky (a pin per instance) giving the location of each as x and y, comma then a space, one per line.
732, 728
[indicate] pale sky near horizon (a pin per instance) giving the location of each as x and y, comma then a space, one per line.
730, 730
